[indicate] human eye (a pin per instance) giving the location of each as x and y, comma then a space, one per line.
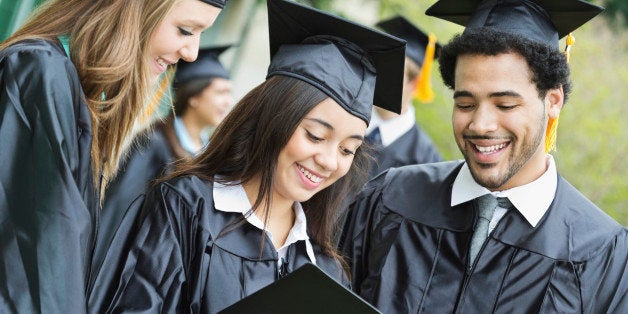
185, 32
506, 106
313, 137
345, 151
464, 106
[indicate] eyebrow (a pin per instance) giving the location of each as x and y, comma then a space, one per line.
507, 93
193, 23
331, 127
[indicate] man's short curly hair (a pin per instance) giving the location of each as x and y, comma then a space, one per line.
548, 65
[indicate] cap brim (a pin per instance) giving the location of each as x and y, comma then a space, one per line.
566, 15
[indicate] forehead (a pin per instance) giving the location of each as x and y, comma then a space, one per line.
194, 13
340, 119
505, 70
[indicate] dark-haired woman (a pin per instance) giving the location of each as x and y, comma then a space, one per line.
261, 201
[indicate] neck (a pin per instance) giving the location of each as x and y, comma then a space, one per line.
280, 213
194, 128
387, 115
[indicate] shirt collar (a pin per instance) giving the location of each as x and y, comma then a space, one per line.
392, 129
184, 137
232, 198
532, 208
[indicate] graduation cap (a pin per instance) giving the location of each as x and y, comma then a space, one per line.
420, 48
207, 65
544, 21
217, 3
307, 290
354, 65
416, 39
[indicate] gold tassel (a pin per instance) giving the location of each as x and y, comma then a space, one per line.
568, 43
550, 134
423, 90
552, 124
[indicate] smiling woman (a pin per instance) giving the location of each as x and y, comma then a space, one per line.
262, 199
74, 79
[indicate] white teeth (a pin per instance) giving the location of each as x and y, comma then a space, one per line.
310, 176
490, 149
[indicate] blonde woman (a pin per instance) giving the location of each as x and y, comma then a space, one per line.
73, 81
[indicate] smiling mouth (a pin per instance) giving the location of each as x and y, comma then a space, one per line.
485, 150
309, 175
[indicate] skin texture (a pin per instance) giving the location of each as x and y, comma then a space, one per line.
497, 109
177, 36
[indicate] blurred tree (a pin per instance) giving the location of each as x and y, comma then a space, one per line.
617, 11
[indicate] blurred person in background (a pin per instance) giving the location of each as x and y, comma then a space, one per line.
202, 99
397, 139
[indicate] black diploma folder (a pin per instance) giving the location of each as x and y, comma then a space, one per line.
307, 290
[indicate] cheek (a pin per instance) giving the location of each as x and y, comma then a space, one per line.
344, 166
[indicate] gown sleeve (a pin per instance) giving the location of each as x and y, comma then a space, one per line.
47, 195
355, 238
162, 258
604, 278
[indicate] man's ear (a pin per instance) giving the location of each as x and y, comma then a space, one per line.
554, 100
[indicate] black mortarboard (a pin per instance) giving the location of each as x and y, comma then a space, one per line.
207, 65
217, 3
543, 21
416, 39
354, 65
307, 290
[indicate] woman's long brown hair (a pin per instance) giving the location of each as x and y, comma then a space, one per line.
246, 145
109, 41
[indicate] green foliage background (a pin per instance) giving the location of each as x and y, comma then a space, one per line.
591, 134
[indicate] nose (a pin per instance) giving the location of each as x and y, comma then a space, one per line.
189, 52
327, 158
484, 119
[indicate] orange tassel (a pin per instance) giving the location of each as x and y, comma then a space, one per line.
423, 90
550, 134
552, 124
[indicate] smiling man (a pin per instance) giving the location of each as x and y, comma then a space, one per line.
502, 231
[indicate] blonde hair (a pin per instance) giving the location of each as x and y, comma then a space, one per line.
108, 40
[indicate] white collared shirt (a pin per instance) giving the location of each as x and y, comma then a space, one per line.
184, 137
233, 198
392, 129
532, 200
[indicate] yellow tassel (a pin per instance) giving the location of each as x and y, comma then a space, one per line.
423, 90
569, 41
552, 124
550, 134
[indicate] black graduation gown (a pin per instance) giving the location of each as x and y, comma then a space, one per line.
174, 260
413, 147
408, 250
48, 202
